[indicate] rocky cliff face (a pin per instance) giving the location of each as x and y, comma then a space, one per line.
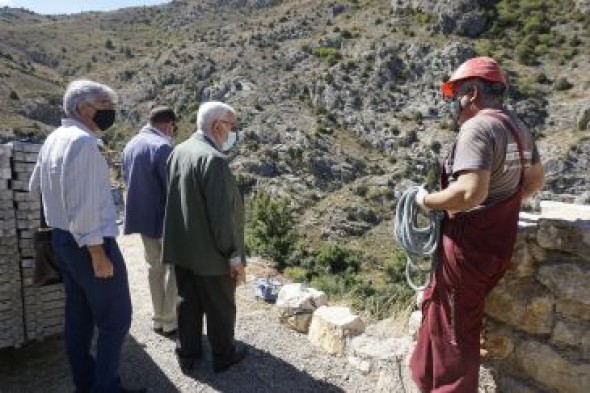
339, 102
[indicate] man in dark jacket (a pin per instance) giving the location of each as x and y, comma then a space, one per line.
204, 238
144, 168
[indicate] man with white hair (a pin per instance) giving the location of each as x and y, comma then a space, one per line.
72, 177
204, 238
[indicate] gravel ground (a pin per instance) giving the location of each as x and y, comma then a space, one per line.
279, 360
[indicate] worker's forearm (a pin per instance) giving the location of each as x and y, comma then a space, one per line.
451, 198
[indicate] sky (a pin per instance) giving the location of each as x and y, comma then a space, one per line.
74, 6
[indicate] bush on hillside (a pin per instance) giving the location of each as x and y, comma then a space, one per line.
270, 227
562, 84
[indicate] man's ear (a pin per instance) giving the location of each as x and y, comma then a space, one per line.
474, 95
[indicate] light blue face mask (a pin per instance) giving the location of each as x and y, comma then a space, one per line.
232, 137
455, 108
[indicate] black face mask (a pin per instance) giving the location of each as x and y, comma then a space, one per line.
104, 118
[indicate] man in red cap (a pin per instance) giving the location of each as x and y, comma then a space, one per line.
492, 166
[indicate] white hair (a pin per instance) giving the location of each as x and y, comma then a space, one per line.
211, 111
83, 90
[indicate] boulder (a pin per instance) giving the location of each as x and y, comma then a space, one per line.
331, 327
549, 368
524, 304
296, 303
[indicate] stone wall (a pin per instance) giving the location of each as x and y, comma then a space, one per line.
537, 328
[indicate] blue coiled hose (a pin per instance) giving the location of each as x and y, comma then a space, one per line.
418, 242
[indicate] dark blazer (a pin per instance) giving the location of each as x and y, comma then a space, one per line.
144, 169
204, 218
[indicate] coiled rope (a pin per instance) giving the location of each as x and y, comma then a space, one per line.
419, 243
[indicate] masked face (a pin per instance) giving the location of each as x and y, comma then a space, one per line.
455, 109
232, 137
104, 118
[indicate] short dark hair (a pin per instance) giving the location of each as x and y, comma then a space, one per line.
162, 114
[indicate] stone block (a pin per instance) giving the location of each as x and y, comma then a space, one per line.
566, 227
523, 263
568, 281
497, 346
525, 305
331, 327
379, 349
547, 367
414, 323
573, 310
296, 303
572, 334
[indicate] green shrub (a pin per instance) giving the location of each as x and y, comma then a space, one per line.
562, 84
331, 55
296, 273
14, 95
333, 258
270, 228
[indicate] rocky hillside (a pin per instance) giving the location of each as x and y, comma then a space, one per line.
339, 101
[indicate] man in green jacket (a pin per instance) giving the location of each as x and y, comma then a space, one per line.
204, 238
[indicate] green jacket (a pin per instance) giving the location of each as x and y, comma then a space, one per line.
204, 216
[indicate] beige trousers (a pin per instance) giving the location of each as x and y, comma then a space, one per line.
162, 285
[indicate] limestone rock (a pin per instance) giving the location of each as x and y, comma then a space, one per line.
524, 305
396, 378
552, 370
497, 346
296, 303
565, 228
332, 326
572, 334
523, 264
573, 310
567, 281
368, 347
414, 324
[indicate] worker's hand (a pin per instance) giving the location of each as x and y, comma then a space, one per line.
420, 195
238, 274
102, 265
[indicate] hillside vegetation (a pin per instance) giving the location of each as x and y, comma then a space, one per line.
338, 102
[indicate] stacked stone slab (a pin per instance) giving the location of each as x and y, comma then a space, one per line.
43, 306
11, 305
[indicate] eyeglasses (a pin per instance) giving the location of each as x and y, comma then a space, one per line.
231, 123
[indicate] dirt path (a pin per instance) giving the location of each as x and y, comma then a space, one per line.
279, 359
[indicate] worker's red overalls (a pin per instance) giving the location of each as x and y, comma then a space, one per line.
476, 249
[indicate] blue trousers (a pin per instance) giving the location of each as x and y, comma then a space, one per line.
93, 302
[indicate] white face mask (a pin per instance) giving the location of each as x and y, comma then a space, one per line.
232, 137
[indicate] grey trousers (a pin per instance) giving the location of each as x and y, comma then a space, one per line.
162, 285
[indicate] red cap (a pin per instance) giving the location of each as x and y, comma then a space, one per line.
477, 67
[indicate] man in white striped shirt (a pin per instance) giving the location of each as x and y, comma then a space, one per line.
72, 177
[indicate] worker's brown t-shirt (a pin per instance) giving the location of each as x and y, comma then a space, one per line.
484, 143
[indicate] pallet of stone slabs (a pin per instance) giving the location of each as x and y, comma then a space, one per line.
9, 263
43, 332
9, 279
15, 340
39, 331
46, 293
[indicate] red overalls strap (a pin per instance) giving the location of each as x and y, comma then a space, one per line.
475, 250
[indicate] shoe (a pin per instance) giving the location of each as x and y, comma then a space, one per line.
237, 356
171, 334
187, 364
